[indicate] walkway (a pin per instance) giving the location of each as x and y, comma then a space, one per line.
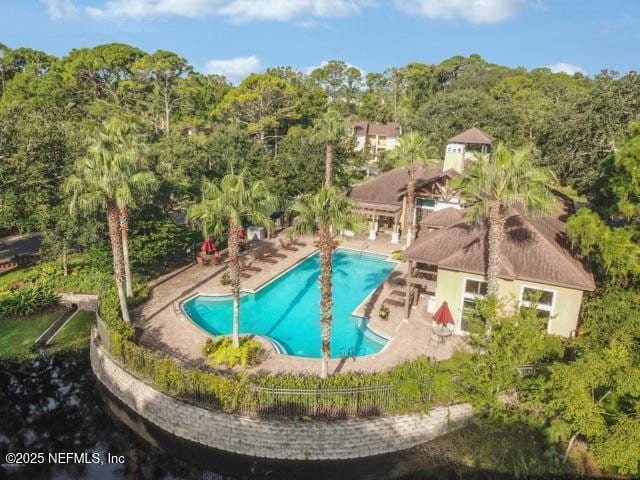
20, 245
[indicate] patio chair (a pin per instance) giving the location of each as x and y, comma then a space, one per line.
248, 267
393, 303
272, 251
287, 246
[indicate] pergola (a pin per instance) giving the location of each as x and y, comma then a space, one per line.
374, 211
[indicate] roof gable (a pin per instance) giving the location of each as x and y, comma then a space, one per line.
473, 135
389, 188
534, 249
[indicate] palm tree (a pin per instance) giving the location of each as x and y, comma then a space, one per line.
226, 207
411, 151
493, 184
108, 178
131, 148
325, 212
329, 128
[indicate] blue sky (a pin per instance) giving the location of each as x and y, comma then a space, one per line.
235, 37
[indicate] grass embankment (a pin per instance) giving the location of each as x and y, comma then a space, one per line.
18, 334
514, 451
75, 334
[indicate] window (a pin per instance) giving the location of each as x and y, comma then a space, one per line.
473, 289
424, 206
544, 300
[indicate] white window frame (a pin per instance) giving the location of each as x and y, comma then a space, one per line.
547, 308
467, 296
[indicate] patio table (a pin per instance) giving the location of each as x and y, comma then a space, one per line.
442, 333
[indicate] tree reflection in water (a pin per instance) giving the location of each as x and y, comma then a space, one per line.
55, 404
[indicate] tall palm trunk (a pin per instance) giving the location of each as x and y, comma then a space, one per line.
411, 195
65, 263
328, 168
233, 240
124, 231
326, 302
496, 239
118, 260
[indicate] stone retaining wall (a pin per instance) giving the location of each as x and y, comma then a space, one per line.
82, 300
290, 440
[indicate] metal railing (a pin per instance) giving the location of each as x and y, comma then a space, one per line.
204, 388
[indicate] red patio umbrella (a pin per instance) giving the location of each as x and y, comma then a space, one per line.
443, 315
208, 246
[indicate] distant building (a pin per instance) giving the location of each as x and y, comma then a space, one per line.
459, 148
376, 138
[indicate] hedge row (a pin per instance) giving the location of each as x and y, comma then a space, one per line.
412, 386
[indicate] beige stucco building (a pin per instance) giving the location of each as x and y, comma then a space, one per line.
448, 260
449, 264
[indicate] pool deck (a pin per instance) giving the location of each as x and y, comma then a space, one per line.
161, 325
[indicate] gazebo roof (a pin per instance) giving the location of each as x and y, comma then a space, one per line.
473, 135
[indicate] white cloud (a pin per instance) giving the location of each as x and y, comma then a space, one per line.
245, 10
235, 69
139, 9
567, 68
474, 11
60, 9
237, 10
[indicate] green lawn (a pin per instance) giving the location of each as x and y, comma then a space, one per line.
17, 334
19, 274
75, 334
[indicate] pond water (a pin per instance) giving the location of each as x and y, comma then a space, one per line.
287, 310
55, 405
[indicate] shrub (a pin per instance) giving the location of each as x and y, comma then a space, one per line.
414, 385
396, 255
27, 299
383, 313
225, 279
155, 241
222, 352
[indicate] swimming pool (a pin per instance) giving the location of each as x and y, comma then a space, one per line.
287, 310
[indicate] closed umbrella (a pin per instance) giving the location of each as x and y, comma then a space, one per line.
443, 315
208, 246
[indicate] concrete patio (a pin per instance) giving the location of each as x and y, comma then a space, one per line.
161, 325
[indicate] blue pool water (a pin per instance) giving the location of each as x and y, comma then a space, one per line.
288, 309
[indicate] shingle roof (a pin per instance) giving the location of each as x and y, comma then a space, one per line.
443, 218
473, 135
389, 188
534, 249
391, 129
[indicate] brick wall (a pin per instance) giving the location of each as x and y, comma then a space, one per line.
291, 440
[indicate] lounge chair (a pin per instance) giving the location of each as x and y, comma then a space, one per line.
299, 243
287, 246
393, 303
398, 293
261, 258
273, 252
248, 267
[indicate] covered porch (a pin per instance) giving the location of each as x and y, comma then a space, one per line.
383, 221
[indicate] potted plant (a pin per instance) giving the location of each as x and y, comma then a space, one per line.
383, 313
